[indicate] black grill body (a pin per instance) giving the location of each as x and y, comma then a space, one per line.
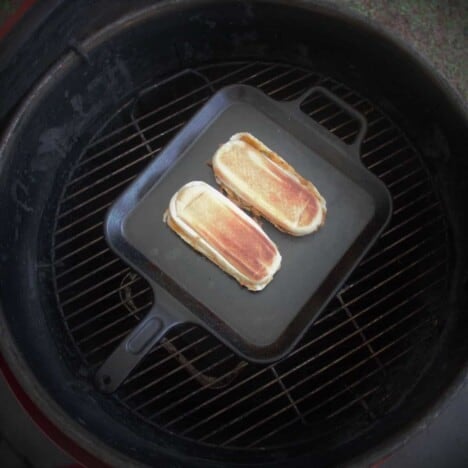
388, 344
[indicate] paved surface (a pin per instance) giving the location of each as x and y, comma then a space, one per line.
438, 29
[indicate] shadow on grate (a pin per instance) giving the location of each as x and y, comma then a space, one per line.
350, 367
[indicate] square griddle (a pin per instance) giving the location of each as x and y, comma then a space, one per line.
259, 326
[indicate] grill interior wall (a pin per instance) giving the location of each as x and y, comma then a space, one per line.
355, 361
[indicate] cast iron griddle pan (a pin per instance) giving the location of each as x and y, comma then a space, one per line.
259, 326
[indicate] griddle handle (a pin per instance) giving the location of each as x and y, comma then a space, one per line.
356, 145
133, 349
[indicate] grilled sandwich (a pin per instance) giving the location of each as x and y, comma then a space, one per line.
214, 226
259, 180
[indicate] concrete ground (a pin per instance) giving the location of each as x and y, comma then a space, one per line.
437, 29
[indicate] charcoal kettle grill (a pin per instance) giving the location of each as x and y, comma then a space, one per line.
86, 120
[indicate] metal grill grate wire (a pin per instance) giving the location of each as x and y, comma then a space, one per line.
189, 383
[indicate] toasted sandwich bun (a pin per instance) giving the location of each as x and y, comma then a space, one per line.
214, 226
261, 181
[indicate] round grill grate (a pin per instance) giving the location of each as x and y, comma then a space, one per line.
354, 364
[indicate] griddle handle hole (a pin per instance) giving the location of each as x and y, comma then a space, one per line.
104, 382
313, 95
133, 348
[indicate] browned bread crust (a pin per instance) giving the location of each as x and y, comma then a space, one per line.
258, 179
217, 228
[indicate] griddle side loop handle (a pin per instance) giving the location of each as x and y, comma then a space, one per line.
356, 145
133, 349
